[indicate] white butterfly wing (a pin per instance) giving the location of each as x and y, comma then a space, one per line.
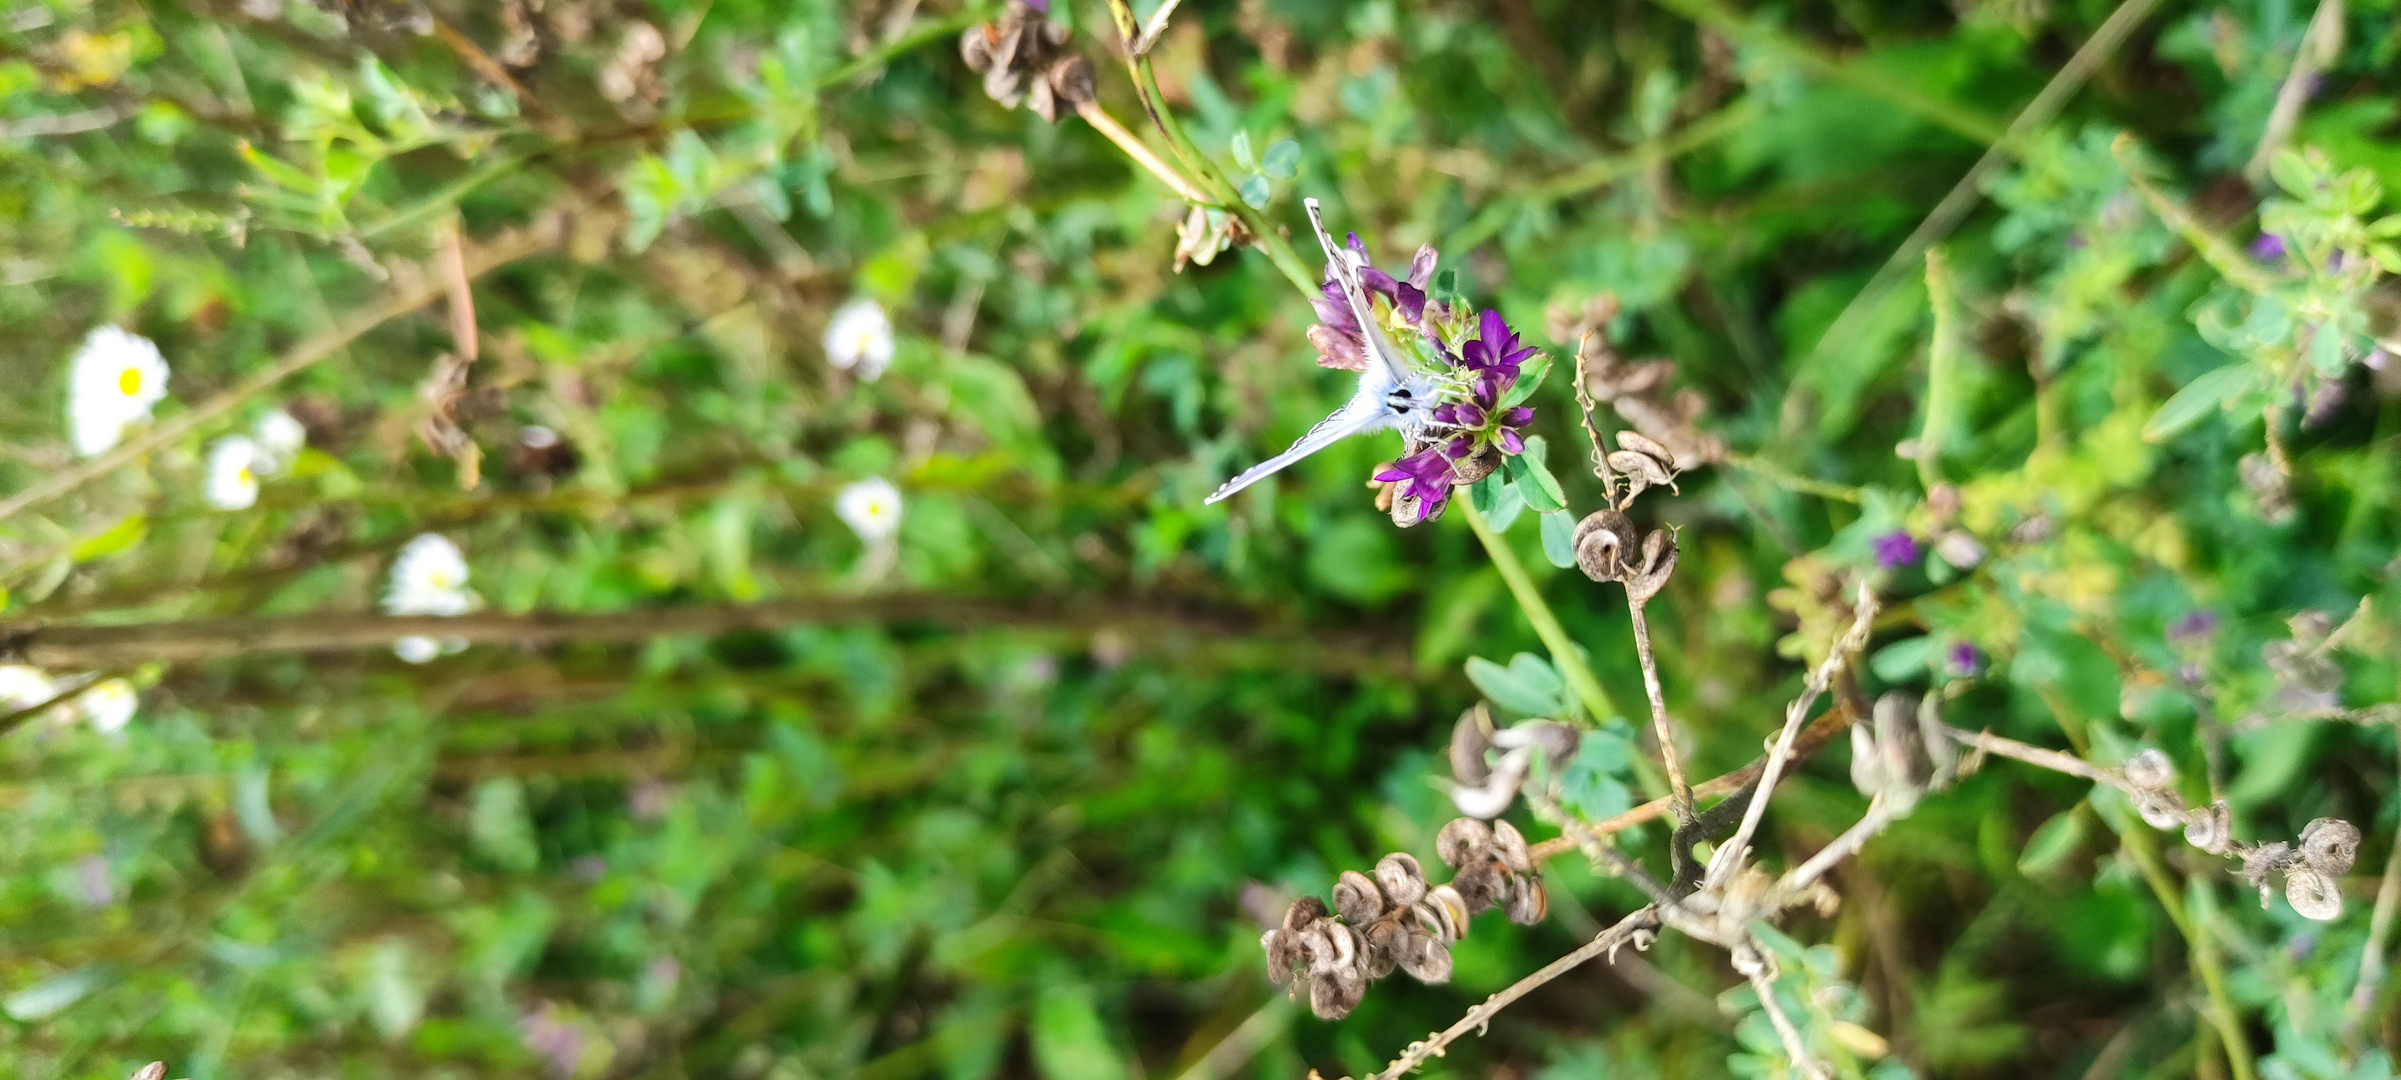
1365, 411
1380, 350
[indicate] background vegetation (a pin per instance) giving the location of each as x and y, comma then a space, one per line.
720, 785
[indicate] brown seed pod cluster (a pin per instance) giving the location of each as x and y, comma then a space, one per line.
1023, 60
2312, 867
1608, 545
1395, 921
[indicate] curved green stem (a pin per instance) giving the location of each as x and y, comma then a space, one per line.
1200, 165
1546, 625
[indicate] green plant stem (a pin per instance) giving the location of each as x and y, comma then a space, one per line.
1942, 372
1792, 481
2144, 849
1202, 168
1601, 172
1546, 625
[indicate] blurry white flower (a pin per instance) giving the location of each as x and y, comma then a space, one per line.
279, 438
23, 687
429, 578
109, 706
859, 339
113, 381
872, 509
233, 468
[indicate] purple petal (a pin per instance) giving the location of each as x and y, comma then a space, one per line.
1412, 303
1421, 268
1470, 416
1511, 443
1518, 417
1494, 331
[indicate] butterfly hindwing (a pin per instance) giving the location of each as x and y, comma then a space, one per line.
1365, 411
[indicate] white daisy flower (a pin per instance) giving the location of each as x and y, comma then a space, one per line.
109, 706
859, 339
113, 381
872, 509
279, 438
233, 467
429, 578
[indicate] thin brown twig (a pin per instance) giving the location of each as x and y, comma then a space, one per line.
1617, 936
1863, 621
74, 647
2035, 755
461, 294
1821, 731
1679, 790
2321, 44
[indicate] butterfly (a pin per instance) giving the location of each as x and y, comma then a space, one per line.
1392, 392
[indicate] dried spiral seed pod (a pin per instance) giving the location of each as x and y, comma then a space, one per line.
1471, 738
1357, 899
1401, 878
2330, 845
2313, 895
1658, 564
1605, 545
2150, 771
1460, 840
2159, 810
2210, 829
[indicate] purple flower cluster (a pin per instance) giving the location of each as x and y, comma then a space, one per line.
1468, 431
1341, 342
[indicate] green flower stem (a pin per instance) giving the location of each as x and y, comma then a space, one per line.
1546, 625
1942, 372
1792, 481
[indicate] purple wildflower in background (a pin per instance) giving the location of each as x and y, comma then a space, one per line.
556, 1040
91, 880
1964, 660
2268, 248
2198, 624
1896, 549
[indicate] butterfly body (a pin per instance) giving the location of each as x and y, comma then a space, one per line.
1393, 393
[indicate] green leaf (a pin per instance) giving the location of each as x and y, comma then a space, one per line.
1507, 505
1282, 160
2051, 844
1559, 540
2292, 172
1255, 191
1069, 1042
1242, 150
1527, 687
119, 538
1534, 480
1903, 661
1593, 785
1529, 378
2198, 398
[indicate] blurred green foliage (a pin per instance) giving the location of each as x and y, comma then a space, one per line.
1031, 822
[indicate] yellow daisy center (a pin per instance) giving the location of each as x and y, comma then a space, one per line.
129, 381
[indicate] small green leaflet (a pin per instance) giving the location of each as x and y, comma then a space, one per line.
1559, 540
1534, 480
1528, 686
2218, 388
